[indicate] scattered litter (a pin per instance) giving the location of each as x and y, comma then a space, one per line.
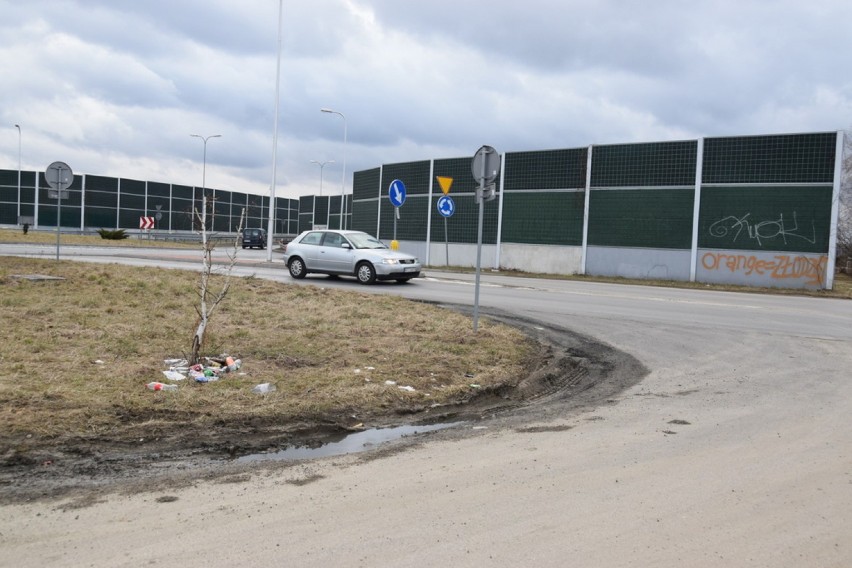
154, 386
475, 386
174, 375
98, 362
390, 383
469, 375
409, 389
263, 388
371, 368
209, 370
357, 371
480, 427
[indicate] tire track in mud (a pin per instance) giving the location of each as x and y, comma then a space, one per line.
576, 371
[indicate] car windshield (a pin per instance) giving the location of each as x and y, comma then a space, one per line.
365, 241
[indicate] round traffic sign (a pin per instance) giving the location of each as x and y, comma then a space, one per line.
446, 206
59, 176
485, 164
396, 193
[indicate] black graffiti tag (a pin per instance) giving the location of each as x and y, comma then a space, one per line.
764, 230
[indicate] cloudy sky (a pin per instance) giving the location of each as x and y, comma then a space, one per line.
116, 87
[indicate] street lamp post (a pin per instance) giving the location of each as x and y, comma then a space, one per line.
270, 234
343, 182
204, 180
322, 165
18, 126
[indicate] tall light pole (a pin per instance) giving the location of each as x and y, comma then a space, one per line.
271, 225
18, 126
322, 165
343, 182
204, 180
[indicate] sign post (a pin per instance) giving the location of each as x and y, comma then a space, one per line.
396, 194
446, 207
58, 176
485, 168
146, 224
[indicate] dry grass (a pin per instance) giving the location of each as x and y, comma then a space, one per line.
306, 340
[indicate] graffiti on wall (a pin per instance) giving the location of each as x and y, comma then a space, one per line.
764, 230
781, 267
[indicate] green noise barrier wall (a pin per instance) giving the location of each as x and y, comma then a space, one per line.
647, 208
731, 209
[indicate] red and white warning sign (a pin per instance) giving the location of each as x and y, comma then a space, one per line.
146, 222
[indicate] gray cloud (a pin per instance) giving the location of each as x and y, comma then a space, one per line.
116, 87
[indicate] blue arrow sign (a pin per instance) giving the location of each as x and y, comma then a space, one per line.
396, 193
446, 206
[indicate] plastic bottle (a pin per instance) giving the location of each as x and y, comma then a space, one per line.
263, 388
155, 386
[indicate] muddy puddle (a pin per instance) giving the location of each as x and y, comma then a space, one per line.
350, 444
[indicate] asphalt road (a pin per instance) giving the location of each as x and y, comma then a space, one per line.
736, 450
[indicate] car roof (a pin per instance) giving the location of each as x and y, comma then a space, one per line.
338, 231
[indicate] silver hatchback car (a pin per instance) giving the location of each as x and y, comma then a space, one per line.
348, 253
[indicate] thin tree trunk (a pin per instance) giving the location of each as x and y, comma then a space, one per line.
207, 304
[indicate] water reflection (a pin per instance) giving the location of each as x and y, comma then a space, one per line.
351, 444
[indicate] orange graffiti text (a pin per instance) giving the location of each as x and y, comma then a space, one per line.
780, 267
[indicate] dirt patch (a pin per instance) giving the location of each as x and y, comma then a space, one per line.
570, 372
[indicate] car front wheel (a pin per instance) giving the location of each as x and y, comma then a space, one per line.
366, 273
297, 268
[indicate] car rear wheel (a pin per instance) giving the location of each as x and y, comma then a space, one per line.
297, 268
366, 273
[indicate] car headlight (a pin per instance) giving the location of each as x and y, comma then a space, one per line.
390, 261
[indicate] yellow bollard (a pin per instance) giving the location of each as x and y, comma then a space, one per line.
394, 244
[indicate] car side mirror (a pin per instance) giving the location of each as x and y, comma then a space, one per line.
346, 246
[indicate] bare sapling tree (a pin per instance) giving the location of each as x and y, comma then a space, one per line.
209, 299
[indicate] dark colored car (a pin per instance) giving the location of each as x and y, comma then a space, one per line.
254, 238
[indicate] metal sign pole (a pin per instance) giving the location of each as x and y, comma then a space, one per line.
58, 176
485, 171
58, 212
479, 249
446, 242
